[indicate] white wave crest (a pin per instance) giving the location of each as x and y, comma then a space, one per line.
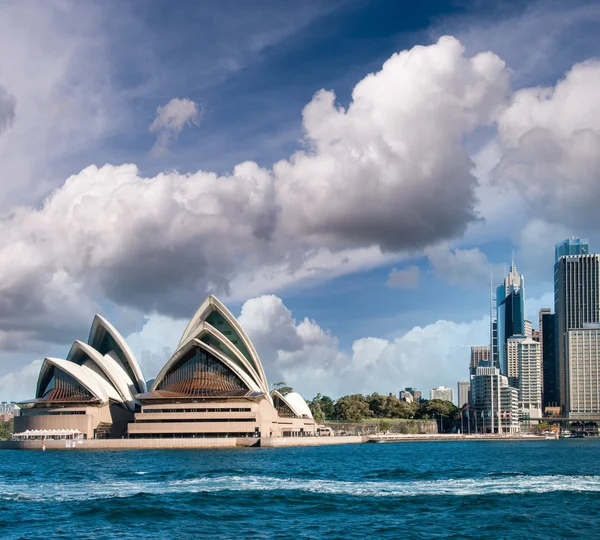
67, 491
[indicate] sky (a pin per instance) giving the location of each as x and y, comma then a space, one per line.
346, 176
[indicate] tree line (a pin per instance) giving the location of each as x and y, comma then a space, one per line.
357, 407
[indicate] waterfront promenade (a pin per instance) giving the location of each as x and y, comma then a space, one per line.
266, 442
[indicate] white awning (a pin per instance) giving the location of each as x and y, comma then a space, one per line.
47, 433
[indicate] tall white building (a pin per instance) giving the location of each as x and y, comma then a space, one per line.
511, 363
442, 392
583, 352
494, 403
463, 393
523, 360
530, 379
528, 328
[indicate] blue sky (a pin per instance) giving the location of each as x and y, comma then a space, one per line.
240, 82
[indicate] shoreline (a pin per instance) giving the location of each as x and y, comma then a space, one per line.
271, 442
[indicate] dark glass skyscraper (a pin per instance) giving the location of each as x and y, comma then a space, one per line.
510, 315
550, 390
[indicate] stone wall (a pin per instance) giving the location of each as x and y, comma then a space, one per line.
369, 428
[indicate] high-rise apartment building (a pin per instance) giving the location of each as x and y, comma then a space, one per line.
511, 360
576, 302
510, 312
442, 392
530, 379
463, 393
550, 386
583, 354
416, 394
495, 404
479, 353
528, 328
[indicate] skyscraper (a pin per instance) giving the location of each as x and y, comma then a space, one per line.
576, 302
479, 353
463, 392
510, 313
530, 379
550, 386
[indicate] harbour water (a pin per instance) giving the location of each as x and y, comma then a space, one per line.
537, 489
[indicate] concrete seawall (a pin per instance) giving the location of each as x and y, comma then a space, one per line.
269, 442
278, 442
124, 444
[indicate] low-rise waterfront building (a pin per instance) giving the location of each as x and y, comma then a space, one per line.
213, 385
494, 403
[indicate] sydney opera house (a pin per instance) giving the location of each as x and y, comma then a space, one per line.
213, 385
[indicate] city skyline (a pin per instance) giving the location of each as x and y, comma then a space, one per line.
343, 175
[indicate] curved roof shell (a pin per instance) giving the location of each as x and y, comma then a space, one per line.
107, 367
86, 377
101, 328
213, 312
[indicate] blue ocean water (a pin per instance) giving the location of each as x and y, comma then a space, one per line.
537, 489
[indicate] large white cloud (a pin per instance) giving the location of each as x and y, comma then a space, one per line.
379, 171
309, 358
387, 174
549, 143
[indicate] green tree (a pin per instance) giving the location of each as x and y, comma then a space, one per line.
442, 411
282, 388
397, 408
316, 410
6, 430
326, 404
378, 405
384, 425
353, 408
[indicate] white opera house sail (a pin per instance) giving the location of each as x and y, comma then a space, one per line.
214, 385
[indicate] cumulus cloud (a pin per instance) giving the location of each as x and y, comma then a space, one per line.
309, 358
405, 278
385, 175
379, 171
8, 105
170, 120
462, 267
549, 141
